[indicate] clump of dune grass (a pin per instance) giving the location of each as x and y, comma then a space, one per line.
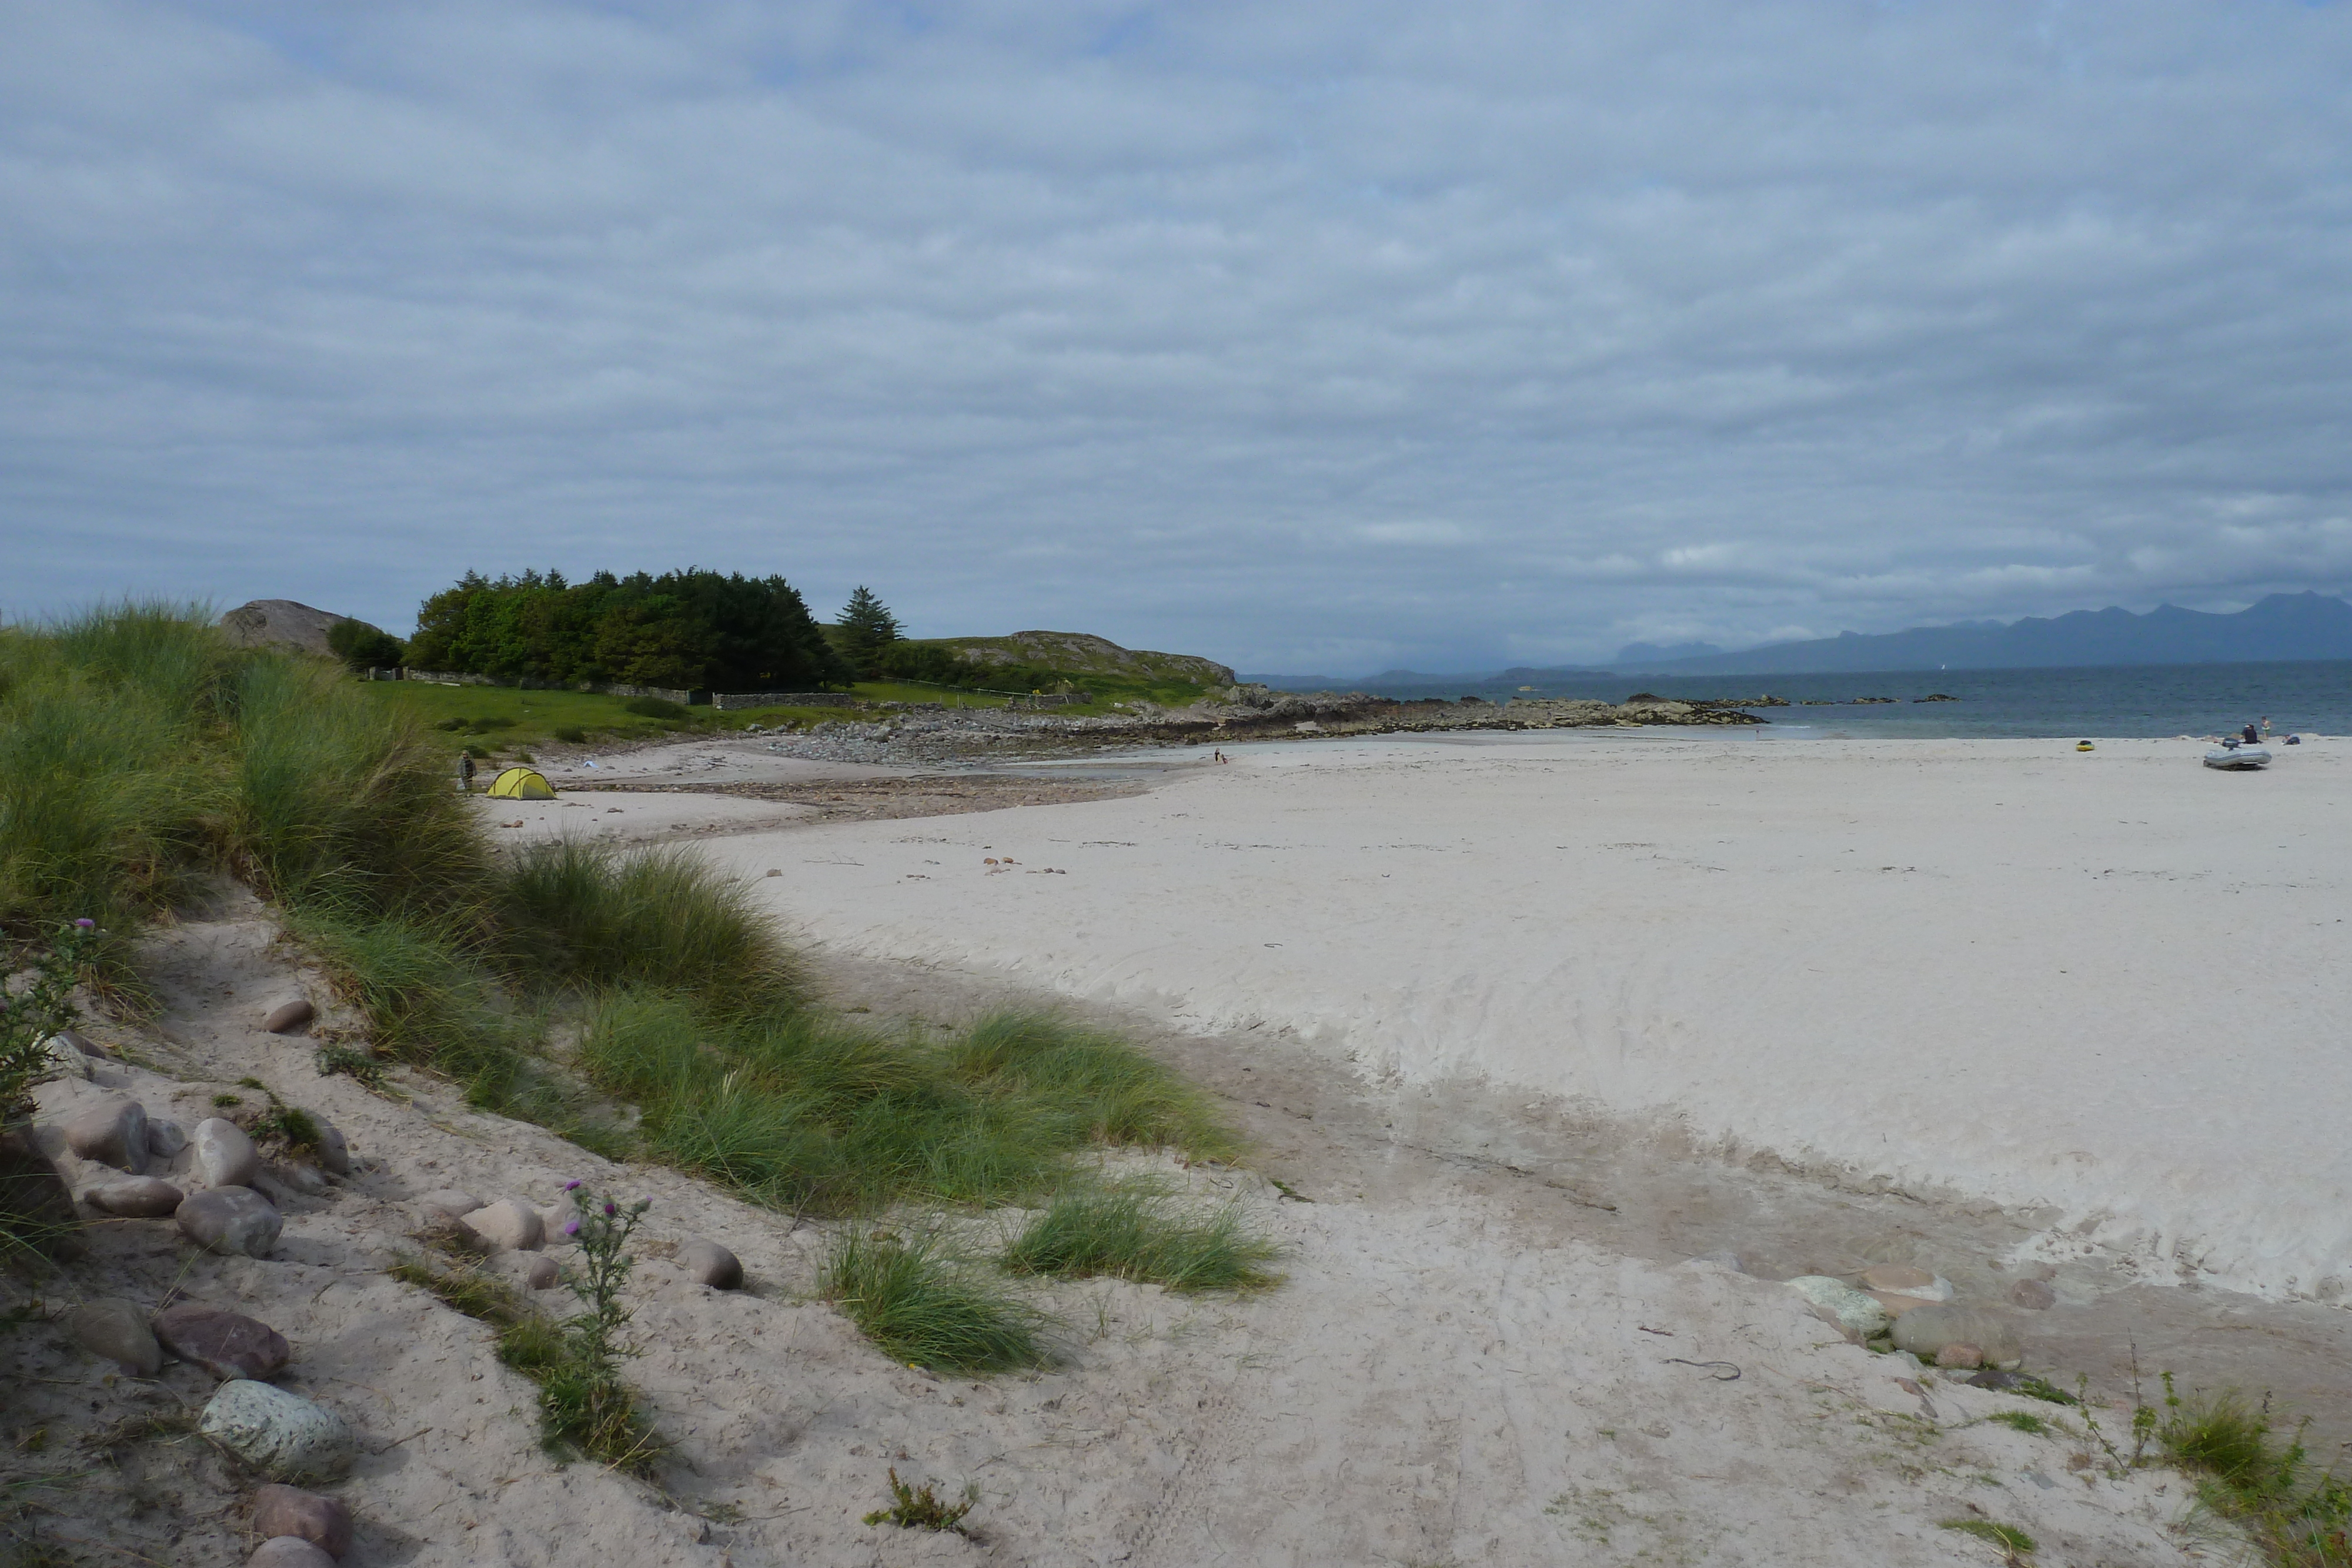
805, 1113
112, 780
1126, 1233
922, 1305
2014, 1544
588, 915
339, 804
2298, 1517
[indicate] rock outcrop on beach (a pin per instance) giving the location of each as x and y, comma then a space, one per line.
281, 623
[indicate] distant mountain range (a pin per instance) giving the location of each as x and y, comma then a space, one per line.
2285, 626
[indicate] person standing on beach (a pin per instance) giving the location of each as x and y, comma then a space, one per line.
465, 771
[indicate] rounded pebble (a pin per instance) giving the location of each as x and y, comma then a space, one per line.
225, 1156
226, 1344
289, 1551
282, 1433
289, 1016
508, 1224
136, 1197
231, 1220
2033, 1295
711, 1264
165, 1139
324, 1521
118, 1331
113, 1133
1856, 1312
1927, 1332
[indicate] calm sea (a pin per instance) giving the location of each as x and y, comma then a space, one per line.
2144, 700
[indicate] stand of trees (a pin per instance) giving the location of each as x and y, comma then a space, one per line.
695, 629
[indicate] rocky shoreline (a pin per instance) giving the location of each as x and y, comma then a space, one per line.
932, 732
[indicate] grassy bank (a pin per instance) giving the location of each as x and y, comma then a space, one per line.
139, 753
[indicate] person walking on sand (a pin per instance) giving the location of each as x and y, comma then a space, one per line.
465, 771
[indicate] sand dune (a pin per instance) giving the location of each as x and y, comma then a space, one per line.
2106, 986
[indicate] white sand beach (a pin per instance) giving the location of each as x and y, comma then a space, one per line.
2104, 987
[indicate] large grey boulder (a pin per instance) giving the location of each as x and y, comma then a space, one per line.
225, 1156
231, 1220
118, 1331
112, 1133
166, 1138
281, 1434
262, 621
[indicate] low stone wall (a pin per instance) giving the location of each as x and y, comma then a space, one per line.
1052, 699
736, 701
530, 683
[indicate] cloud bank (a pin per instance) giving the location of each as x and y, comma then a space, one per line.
1312, 335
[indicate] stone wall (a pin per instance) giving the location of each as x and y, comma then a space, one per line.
736, 701
528, 684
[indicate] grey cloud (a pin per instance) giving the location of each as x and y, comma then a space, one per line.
1315, 336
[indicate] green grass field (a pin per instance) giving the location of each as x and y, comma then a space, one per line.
503, 720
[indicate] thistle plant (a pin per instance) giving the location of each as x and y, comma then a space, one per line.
602, 1227
30, 1017
578, 1361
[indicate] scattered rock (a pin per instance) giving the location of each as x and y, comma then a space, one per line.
118, 1331
1901, 1279
225, 1156
508, 1224
63, 1060
289, 1551
1960, 1355
334, 1151
32, 1193
136, 1197
112, 1133
226, 1344
542, 1274
1999, 1381
1895, 1302
288, 1016
80, 1043
711, 1264
323, 1521
2033, 1295
1924, 1332
231, 1220
282, 1433
304, 1179
449, 1201
165, 1139
1854, 1311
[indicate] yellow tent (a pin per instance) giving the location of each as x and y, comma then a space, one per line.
521, 784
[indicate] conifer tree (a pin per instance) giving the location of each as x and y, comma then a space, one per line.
866, 628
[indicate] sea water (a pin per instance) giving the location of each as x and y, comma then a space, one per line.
2147, 701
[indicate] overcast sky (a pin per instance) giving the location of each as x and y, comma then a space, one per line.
1313, 337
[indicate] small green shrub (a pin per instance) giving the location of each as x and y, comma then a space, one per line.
654, 708
490, 724
363, 647
32, 1014
925, 1308
572, 735
919, 1507
2022, 1420
1126, 1234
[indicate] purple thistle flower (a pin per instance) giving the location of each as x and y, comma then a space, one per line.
611, 1208
87, 923
571, 1228
571, 1186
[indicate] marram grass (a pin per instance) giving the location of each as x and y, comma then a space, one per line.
1128, 1234
922, 1305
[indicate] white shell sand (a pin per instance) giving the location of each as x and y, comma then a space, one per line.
2109, 984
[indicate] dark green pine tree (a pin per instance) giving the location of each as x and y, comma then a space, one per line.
866, 628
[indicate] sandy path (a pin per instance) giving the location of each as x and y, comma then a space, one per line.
2097, 986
